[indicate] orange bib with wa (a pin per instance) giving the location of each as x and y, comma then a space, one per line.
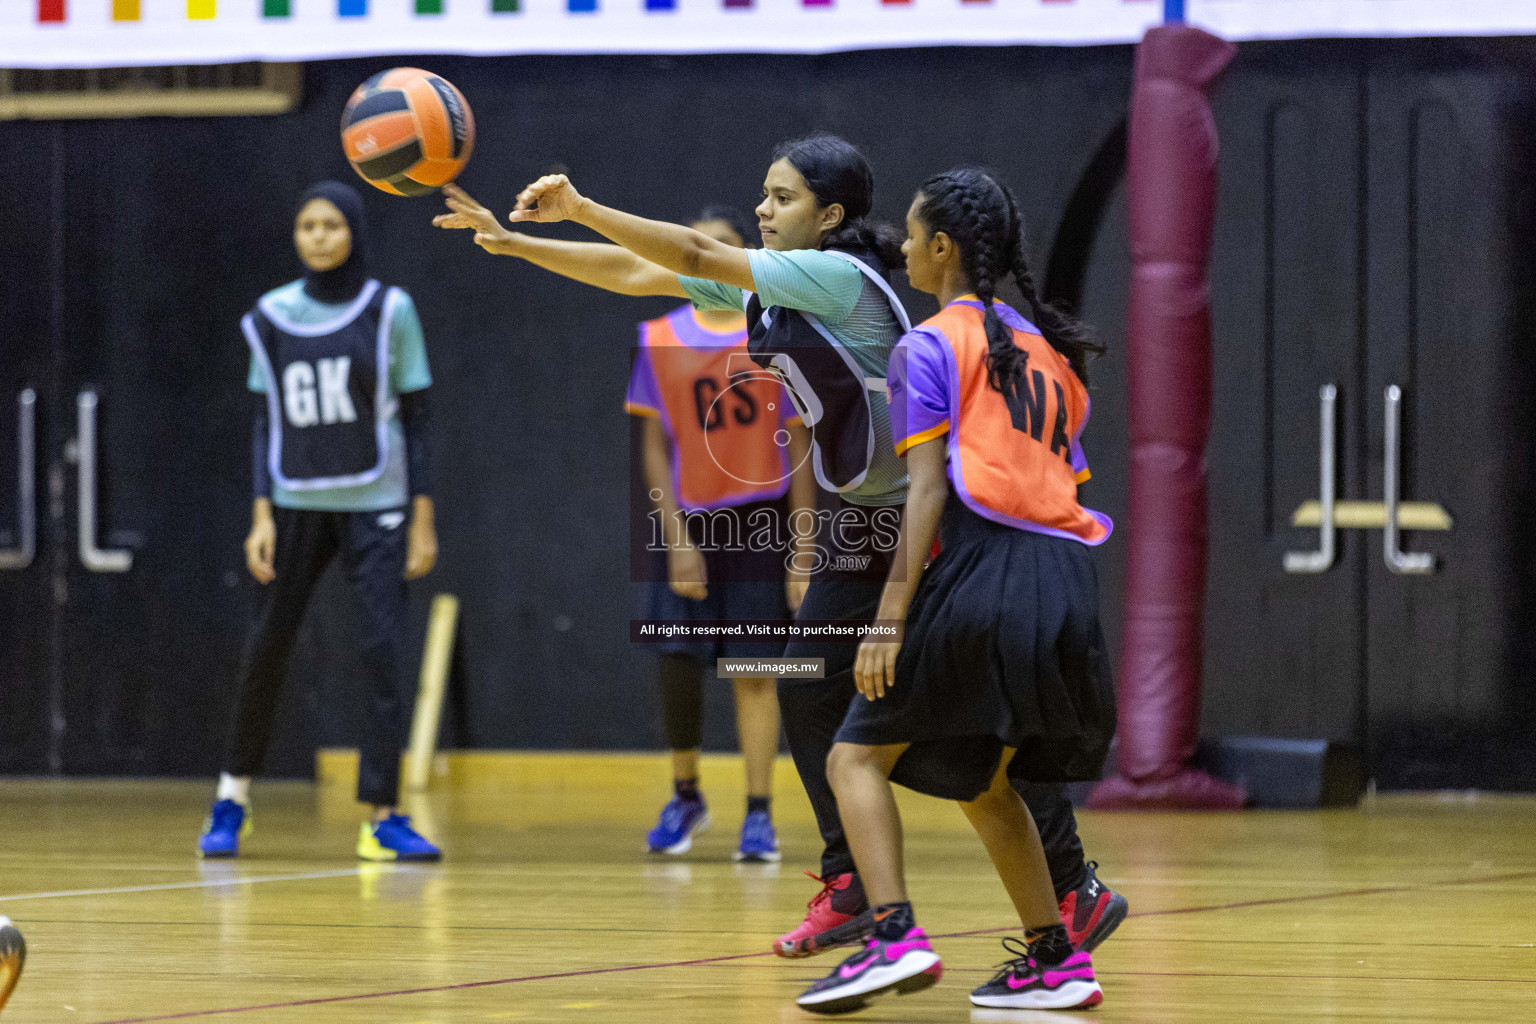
1011, 459
731, 445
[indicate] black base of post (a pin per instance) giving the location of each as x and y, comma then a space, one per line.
1286, 773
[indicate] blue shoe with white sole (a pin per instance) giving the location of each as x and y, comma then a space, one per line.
680, 821
759, 842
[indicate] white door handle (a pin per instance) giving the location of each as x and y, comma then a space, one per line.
93, 558
1321, 559
1399, 561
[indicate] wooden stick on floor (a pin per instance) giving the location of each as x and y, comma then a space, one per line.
442, 625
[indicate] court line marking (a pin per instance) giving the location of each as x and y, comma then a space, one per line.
1380, 890
536, 929
205, 883
464, 986
461, 986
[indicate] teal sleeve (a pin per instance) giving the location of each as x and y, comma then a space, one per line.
712, 294
256, 380
815, 282
408, 349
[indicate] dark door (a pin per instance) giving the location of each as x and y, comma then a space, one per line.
154, 615
1442, 171
1284, 649
119, 635
27, 264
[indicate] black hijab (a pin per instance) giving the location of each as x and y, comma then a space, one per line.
342, 284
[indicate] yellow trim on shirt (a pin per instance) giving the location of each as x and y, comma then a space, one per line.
907, 444
1083, 476
635, 409
737, 325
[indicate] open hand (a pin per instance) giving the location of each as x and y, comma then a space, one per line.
552, 198
467, 213
874, 669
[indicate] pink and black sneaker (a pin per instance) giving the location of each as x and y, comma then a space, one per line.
906, 965
1024, 984
839, 915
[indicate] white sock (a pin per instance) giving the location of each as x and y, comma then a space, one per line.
236, 789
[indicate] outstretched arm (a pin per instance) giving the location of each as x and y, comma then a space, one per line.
679, 249
610, 267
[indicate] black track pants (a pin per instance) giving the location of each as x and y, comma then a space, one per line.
372, 550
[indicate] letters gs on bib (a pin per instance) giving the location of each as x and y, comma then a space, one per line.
714, 406
328, 397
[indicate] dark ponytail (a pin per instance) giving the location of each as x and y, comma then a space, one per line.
836, 172
979, 213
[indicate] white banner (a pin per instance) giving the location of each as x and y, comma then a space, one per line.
108, 33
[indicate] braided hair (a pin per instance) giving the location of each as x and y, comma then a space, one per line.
836, 172
980, 214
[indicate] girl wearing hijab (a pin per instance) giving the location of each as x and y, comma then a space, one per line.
340, 469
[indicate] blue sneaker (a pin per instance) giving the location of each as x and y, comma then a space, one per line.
394, 839
759, 842
681, 820
227, 824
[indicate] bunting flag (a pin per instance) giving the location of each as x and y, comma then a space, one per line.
107, 33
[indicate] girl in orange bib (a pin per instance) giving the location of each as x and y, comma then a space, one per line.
1001, 675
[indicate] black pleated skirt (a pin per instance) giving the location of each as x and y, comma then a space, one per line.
1003, 648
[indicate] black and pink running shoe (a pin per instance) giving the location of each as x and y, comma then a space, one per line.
1023, 984
904, 966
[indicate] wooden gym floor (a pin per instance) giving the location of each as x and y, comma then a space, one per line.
1408, 909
